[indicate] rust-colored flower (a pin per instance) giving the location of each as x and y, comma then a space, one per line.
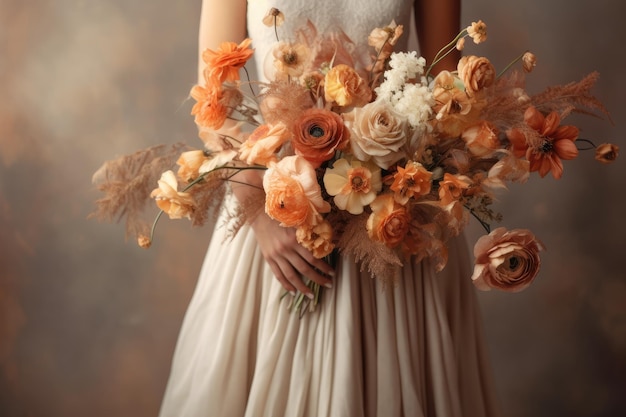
354, 184
318, 134
290, 59
529, 61
377, 133
189, 164
607, 153
476, 72
173, 202
507, 260
452, 187
262, 144
477, 31
317, 238
554, 143
481, 139
344, 86
292, 194
274, 17
411, 181
389, 221
224, 63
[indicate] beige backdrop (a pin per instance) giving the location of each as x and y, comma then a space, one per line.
88, 323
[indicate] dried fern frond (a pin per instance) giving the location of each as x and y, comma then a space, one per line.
375, 257
127, 182
288, 101
572, 97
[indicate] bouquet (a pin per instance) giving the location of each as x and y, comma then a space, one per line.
365, 153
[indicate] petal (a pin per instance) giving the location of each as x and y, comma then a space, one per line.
566, 149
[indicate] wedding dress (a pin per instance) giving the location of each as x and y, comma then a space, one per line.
415, 349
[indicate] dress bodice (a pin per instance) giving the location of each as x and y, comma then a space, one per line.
356, 18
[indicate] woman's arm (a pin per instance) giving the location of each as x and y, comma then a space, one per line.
222, 21
437, 23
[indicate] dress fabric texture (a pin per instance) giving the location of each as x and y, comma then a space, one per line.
415, 349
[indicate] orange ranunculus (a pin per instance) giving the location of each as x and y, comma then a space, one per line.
344, 86
389, 221
507, 260
214, 104
290, 59
317, 238
476, 72
318, 134
190, 163
353, 184
173, 202
452, 187
292, 194
481, 139
477, 31
607, 153
262, 144
554, 143
410, 181
224, 63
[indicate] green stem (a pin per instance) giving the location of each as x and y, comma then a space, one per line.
448, 49
510, 64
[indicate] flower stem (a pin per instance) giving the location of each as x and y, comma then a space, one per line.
510, 65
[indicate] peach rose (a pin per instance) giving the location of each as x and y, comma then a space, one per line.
389, 221
317, 238
344, 86
507, 260
292, 194
377, 134
176, 204
318, 134
476, 72
262, 144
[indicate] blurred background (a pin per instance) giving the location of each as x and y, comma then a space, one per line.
88, 322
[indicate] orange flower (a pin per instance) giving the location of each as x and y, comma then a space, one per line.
190, 163
507, 260
262, 144
213, 104
176, 204
476, 72
354, 184
144, 241
481, 139
607, 153
454, 109
224, 63
317, 134
477, 31
292, 194
317, 238
410, 181
554, 143
389, 221
344, 86
451, 188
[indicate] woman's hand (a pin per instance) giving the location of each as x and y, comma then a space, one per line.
289, 260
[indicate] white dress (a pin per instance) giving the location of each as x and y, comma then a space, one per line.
413, 350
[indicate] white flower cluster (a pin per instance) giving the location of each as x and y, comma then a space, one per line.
412, 100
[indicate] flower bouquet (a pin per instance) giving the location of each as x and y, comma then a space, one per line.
365, 153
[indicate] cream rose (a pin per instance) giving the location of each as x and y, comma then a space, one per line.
507, 260
377, 134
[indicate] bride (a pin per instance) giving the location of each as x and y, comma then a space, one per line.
412, 350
